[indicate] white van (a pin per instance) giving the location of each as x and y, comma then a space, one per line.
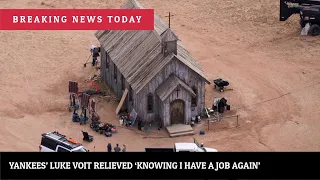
56, 142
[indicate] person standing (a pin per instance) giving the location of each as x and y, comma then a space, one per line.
117, 148
124, 148
109, 147
94, 60
94, 53
139, 124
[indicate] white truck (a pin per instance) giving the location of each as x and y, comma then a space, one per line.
183, 147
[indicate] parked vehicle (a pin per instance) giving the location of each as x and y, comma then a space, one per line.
309, 11
183, 147
56, 142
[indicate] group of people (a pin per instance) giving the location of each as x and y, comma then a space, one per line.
117, 148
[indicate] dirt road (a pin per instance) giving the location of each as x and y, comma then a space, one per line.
273, 71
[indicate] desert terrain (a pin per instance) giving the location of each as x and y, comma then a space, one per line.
273, 71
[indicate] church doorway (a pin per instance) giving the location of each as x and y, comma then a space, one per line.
177, 112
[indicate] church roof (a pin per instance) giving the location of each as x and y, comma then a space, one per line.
171, 84
168, 35
138, 54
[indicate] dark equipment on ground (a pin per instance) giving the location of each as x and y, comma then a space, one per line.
220, 83
75, 117
94, 125
108, 134
87, 137
309, 11
83, 116
103, 128
126, 120
202, 132
220, 104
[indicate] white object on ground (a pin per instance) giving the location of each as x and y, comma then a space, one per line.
216, 101
305, 30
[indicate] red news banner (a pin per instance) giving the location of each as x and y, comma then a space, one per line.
76, 19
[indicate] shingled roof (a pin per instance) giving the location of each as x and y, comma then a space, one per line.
138, 54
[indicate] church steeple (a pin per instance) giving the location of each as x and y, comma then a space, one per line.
169, 42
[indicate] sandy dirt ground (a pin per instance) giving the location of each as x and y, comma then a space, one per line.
273, 71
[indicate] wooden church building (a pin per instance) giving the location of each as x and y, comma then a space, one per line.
163, 81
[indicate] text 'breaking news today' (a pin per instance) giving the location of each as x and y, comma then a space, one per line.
76, 19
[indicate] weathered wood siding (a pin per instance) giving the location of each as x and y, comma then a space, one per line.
102, 63
186, 75
183, 95
108, 74
160, 112
160, 109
